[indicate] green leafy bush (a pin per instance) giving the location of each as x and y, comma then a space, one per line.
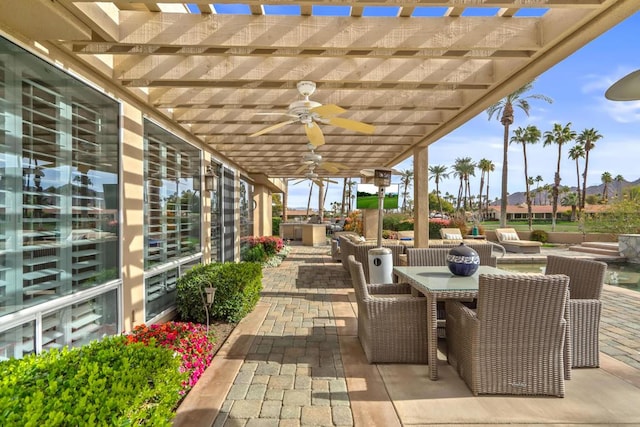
238, 287
254, 254
190, 292
275, 225
103, 383
539, 236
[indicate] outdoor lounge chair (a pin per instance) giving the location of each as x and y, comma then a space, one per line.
514, 343
392, 327
509, 239
450, 234
586, 279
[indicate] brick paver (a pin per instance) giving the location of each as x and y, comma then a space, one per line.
293, 374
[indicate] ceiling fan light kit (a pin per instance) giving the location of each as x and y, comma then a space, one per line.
625, 89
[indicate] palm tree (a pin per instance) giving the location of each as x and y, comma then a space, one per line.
571, 199
490, 168
504, 109
438, 173
559, 135
576, 153
588, 139
606, 180
463, 169
406, 177
538, 179
485, 167
618, 179
524, 136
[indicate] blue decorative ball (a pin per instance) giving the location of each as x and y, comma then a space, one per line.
463, 261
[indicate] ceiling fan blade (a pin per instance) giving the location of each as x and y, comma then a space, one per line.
352, 125
273, 127
298, 182
328, 110
316, 138
301, 168
329, 168
334, 165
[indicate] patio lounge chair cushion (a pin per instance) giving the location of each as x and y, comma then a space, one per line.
586, 280
391, 328
515, 342
509, 239
452, 236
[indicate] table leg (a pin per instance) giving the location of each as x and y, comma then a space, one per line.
432, 336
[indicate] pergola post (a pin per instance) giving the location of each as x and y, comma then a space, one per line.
421, 197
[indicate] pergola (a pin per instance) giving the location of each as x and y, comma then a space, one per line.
416, 72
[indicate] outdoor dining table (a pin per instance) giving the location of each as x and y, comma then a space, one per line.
437, 284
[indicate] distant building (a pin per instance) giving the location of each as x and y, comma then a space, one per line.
519, 212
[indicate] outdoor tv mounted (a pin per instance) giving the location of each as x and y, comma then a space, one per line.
367, 196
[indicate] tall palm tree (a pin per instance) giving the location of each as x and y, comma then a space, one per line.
538, 179
406, 177
618, 179
606, 180
438, 173
504, 111
588, 139
490, 168
463, 168
485, 167
529, 135
559, 135
576, 153
344, 197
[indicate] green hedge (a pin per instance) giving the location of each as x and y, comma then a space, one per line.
103, 383
238, 287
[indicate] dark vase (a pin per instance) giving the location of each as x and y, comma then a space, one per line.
463, 261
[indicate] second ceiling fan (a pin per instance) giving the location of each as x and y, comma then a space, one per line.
311, 113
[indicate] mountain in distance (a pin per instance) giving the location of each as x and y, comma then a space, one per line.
520, 198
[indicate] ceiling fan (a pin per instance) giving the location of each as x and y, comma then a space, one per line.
311, 113
315, 159
315, 178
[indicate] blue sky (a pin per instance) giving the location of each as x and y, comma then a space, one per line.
577, 87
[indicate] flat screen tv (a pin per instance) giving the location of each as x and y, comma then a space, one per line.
367, 196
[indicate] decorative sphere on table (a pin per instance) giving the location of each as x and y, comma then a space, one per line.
463, 261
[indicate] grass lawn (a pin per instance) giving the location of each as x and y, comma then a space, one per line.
562, 226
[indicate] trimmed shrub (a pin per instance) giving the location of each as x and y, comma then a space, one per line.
103, 383
275, 225
238, 287
539, 236
253, 254
190, 292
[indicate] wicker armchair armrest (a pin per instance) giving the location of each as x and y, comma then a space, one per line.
585, 323
389, 288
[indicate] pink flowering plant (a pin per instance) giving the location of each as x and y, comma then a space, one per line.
271, 244
190, 342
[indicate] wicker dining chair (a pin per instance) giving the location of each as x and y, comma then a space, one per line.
514, 342
392, 324
586, 280
427, 256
